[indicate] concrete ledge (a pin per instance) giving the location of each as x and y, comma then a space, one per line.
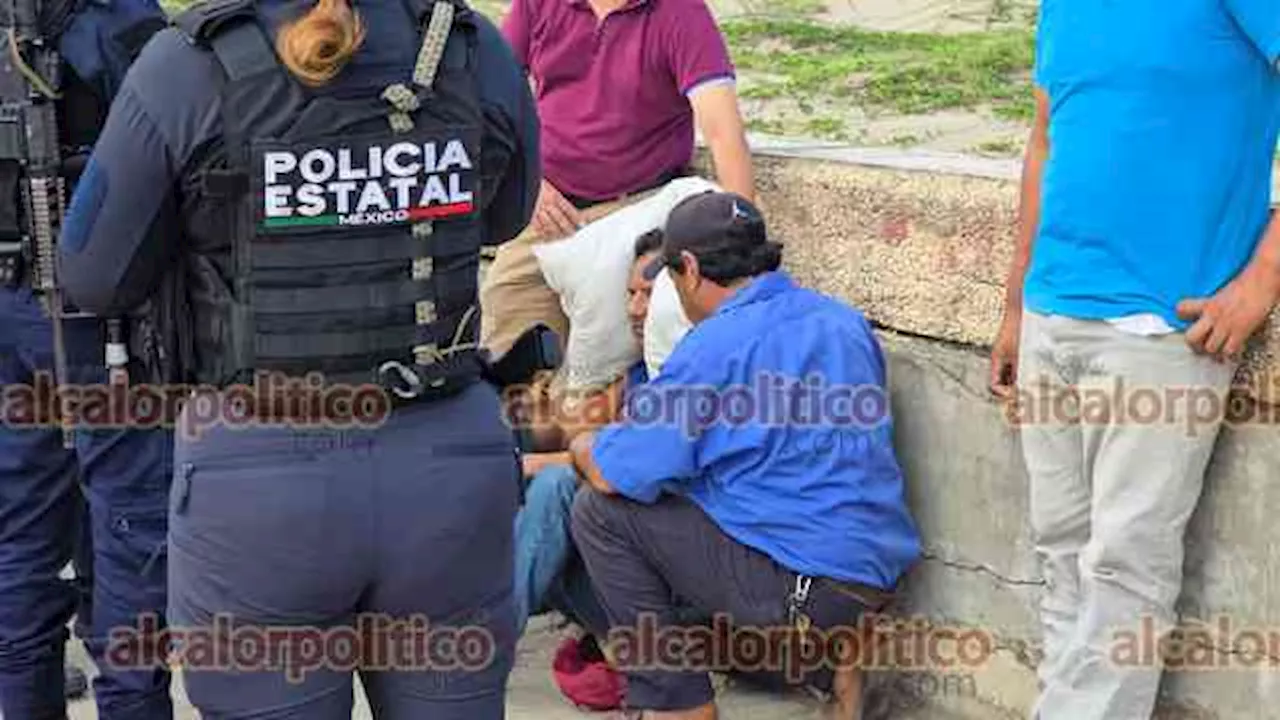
921, 241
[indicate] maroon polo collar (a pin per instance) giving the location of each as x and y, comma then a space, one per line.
631, 4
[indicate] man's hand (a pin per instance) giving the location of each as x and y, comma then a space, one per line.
1224, 323
554, 216
580, 449
1004, 355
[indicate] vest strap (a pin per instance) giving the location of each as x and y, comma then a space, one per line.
322, 253
207, 19
404, 101
243, 51
433, 43
334, 299
390, 341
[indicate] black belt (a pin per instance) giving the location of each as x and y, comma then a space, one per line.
582, 203
873, 599
452, 385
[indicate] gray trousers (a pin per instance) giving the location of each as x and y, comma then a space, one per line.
1117, 430
657, 567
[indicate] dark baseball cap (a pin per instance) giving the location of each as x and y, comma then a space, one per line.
706, 224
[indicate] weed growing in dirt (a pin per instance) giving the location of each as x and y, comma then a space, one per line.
907, 73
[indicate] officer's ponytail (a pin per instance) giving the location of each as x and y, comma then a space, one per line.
317, 45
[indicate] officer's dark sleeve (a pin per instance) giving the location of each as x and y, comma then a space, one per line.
113, 244
122, 229
511, 128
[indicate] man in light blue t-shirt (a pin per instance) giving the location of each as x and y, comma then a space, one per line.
1147, 257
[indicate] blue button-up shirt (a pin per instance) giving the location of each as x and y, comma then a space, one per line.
772, 415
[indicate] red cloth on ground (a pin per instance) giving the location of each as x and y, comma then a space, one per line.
589, 684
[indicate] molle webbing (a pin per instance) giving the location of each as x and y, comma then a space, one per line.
319, 285
404, 101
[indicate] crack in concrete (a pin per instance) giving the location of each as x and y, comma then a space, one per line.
979, 568
1026, 653
932, 340
1231, 651
1228, 650
958, 378
960, 382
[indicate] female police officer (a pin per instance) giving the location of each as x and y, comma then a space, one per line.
331, 176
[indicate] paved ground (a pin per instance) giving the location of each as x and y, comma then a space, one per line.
532, 695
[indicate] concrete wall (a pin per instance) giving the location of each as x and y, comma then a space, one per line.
921, 243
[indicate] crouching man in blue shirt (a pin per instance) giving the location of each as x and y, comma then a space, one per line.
754, 477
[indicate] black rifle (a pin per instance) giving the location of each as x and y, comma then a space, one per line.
31, 158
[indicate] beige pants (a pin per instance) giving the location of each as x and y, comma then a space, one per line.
1117, 431
514, 295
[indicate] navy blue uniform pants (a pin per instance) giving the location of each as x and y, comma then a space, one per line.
300, 557
124, 474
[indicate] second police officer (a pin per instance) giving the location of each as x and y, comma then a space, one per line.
123, 472
327, 178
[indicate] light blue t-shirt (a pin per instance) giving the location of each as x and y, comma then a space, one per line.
1162, 133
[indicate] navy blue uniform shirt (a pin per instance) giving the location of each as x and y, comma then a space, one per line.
772, 415
122, 227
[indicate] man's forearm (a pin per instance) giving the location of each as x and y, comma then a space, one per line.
595, 410
720, 120
1029, 205
732, 158
1028, 220
1266, 259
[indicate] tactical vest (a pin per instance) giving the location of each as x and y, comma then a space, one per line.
338, 235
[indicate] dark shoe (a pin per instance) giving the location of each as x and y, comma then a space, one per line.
590, 648
76, 683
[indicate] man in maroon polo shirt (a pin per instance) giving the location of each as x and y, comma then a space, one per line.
621, 86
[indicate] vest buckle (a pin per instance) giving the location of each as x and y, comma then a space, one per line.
400, 380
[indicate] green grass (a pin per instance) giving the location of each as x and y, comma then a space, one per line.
826, 127
820, 70
783, 8
998, 147
907, 73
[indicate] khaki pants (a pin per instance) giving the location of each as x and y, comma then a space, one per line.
514, 295
1116, 457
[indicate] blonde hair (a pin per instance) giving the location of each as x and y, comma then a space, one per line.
316, 46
